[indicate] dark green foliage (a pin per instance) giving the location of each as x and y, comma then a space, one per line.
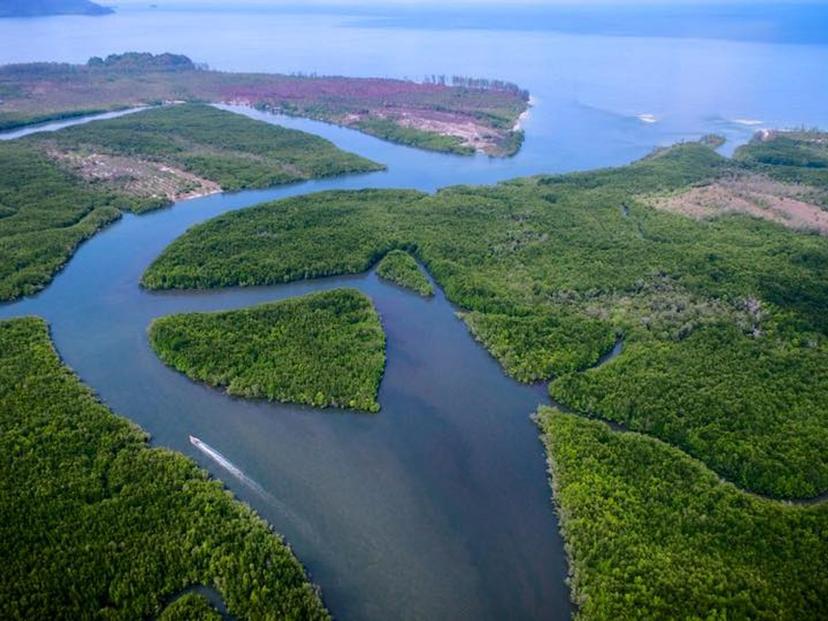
143, 61
324, 349
44, 214
413, 137
94, 524
536, 346
46, 209
190, 607
401, 268
234, 151
753, 408
653, 534
339, 233
794, 157
548, 269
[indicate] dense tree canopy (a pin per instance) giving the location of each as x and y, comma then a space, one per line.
44, 214
95, 524
547, 270
401, 268
323, 349
756, 409
653, 534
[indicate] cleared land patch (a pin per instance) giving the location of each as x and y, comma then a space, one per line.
136, 177
455, 115
754, 195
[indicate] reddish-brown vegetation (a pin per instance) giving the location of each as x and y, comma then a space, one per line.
474, 115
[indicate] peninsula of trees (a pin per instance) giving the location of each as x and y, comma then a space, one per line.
401, 268
653, 534
459, 115
59, 188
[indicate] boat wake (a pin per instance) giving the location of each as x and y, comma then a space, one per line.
228, 465
288, 515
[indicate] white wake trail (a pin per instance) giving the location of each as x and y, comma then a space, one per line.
228, 465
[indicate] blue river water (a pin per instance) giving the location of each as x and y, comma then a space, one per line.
437, 507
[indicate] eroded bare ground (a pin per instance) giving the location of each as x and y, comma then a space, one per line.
792, 205
471, 132
136, 177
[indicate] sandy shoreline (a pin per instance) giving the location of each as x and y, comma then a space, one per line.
525, 114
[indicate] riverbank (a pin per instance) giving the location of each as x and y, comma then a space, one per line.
94, 521
440, 116
59, 188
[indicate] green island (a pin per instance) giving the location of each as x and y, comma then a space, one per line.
324, 349
401, 268
454, 115
549, 270
153, 523
653, 534
59, 188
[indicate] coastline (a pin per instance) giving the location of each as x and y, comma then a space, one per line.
518, 126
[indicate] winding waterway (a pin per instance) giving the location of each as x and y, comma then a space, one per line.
438, 506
